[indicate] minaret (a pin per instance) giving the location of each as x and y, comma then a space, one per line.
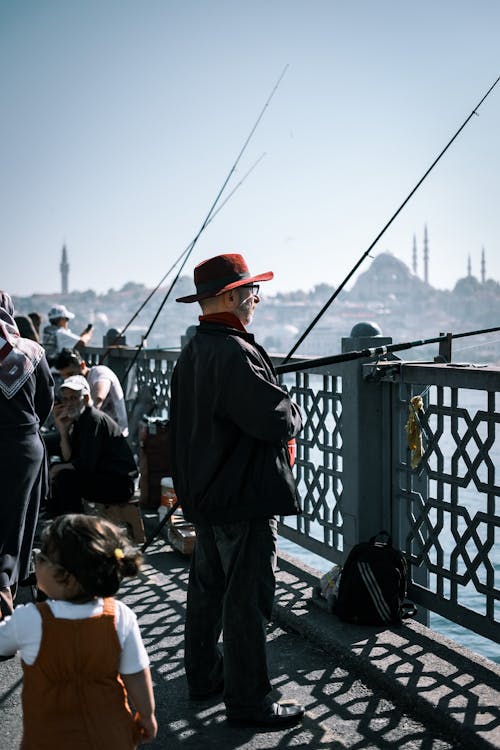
426, 256
483, 267
469, 267
414, 255
64, 268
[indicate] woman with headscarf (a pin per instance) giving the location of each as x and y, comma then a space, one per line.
26, 400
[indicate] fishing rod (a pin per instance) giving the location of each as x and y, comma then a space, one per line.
207, 218
378, 351
358, 263
168, 515
186, 250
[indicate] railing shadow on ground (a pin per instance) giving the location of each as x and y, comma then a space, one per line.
342, 711
364, 692
353, 466
448, 687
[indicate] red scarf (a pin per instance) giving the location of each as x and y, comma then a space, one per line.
226, 318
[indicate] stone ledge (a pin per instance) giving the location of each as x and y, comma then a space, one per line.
428, 675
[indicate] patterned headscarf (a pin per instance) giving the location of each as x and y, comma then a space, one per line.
18, 356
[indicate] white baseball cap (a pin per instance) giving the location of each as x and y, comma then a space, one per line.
76, 383
60, 311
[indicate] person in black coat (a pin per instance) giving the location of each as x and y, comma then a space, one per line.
26, 399
97, 462
230, 427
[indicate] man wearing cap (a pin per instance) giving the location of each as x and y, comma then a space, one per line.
57, 335
230, 425
105, 387
98, 464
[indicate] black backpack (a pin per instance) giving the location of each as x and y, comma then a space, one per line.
373, 584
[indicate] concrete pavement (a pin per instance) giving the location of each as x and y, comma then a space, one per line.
363, 688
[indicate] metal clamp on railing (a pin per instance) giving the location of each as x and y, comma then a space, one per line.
382, 370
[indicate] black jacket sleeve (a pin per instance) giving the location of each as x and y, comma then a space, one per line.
252, 399
44, 392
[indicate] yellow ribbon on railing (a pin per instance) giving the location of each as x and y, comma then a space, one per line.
414, 431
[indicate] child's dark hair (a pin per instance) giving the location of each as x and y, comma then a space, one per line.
95, 551
68, 358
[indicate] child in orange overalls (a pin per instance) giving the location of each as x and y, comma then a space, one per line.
82, 653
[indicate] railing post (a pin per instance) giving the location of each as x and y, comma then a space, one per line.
118, 363
366, 428
445, 348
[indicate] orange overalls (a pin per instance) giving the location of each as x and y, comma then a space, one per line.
73, 696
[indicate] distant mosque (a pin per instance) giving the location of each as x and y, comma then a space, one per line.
389, 278
394, 270
64, 268
426, 256
483, 267
426, 259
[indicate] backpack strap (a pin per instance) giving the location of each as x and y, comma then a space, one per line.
407, 610
382, 533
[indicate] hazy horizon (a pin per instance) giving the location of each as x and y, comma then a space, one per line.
122, 120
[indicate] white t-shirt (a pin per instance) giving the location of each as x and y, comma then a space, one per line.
66, 339
22, 631
114, 403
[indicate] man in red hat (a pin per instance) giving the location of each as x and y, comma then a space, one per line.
231, 423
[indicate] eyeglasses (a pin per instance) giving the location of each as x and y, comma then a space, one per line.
254, 288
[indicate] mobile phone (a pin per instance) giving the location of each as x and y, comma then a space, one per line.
88, 328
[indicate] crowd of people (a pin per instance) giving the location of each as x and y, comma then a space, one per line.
231, 424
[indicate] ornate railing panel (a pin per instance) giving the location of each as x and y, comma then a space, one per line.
447, 510
319, 464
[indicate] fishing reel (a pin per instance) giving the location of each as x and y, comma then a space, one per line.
386, 368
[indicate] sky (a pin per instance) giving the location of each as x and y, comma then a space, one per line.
122, 119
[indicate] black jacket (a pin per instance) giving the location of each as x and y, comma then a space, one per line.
230, 423
98, 446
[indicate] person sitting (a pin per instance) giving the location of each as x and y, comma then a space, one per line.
97, 462
57, 335
105, 389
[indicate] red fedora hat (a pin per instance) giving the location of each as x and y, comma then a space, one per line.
220, 274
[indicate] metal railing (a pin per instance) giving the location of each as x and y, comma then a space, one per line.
354, 474
447, 509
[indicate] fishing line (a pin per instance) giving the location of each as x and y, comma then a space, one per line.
358, 263
186, 250
378, 351
476, 346
207, 218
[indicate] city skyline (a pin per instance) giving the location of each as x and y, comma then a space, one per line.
387, 294
416, 263
121, 122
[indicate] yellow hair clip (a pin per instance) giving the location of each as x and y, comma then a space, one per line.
119, 553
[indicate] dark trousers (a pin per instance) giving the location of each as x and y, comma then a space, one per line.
69, 486
24, 482
231, 589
